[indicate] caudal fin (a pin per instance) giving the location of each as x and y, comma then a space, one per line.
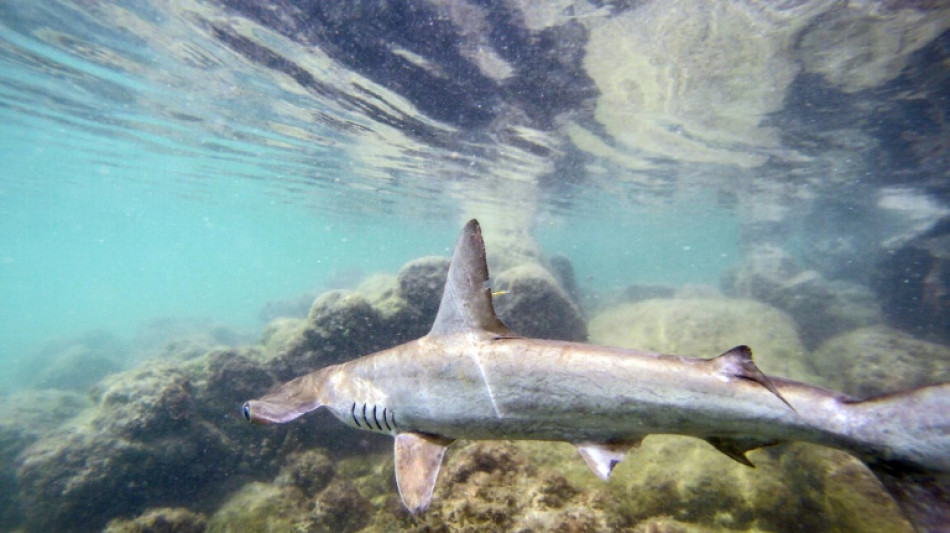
904, 439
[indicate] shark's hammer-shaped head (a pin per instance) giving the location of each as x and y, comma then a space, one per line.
291, 400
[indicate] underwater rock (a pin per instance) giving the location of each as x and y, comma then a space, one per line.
381, 312
164, 520
341, 325
76, 369
914, 283
877, 360
72, 363
562, 269
340, 507
494, 486
670, 483
384, 311
279, 334
221, 380
310, 471
646, 291
264, 508
155, 434
852, 497
421, 282
27, 416
792, 488
706, 327
261, 508
535, 305
821, 308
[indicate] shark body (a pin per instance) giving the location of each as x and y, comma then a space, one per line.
473, 378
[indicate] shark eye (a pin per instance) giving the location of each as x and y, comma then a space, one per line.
247, 411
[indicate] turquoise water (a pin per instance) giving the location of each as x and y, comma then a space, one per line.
92, 244
129, 192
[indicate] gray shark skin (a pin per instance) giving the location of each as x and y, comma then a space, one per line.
471, 377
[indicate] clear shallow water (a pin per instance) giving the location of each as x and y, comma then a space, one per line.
150, 172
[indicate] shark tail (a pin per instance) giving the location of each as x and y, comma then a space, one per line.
905, 440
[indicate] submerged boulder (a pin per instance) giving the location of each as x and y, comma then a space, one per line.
822, 308
261, 508
793, 488
163, 520
535, 305
163, 433
381, 312
871, 361
384, 311
705, 327
28, 416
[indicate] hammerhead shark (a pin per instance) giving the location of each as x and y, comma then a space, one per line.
471, 377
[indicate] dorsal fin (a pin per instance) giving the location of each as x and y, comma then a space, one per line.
466, 301
737, 363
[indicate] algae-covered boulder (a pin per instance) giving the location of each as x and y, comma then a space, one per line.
381, 312
76, 369
871, 361
822, 308
705, 327
384, 311
852, 497
72, 363
794, 487
276, 508
789, 490
421, 282
310, 471
261, 508
279, 334
535, 305
28, 416
495, 486
163, 432
163, 520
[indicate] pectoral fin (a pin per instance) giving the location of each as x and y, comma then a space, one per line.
418, 459
602, 458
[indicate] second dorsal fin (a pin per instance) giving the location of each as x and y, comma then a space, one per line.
466, 300
737, 363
